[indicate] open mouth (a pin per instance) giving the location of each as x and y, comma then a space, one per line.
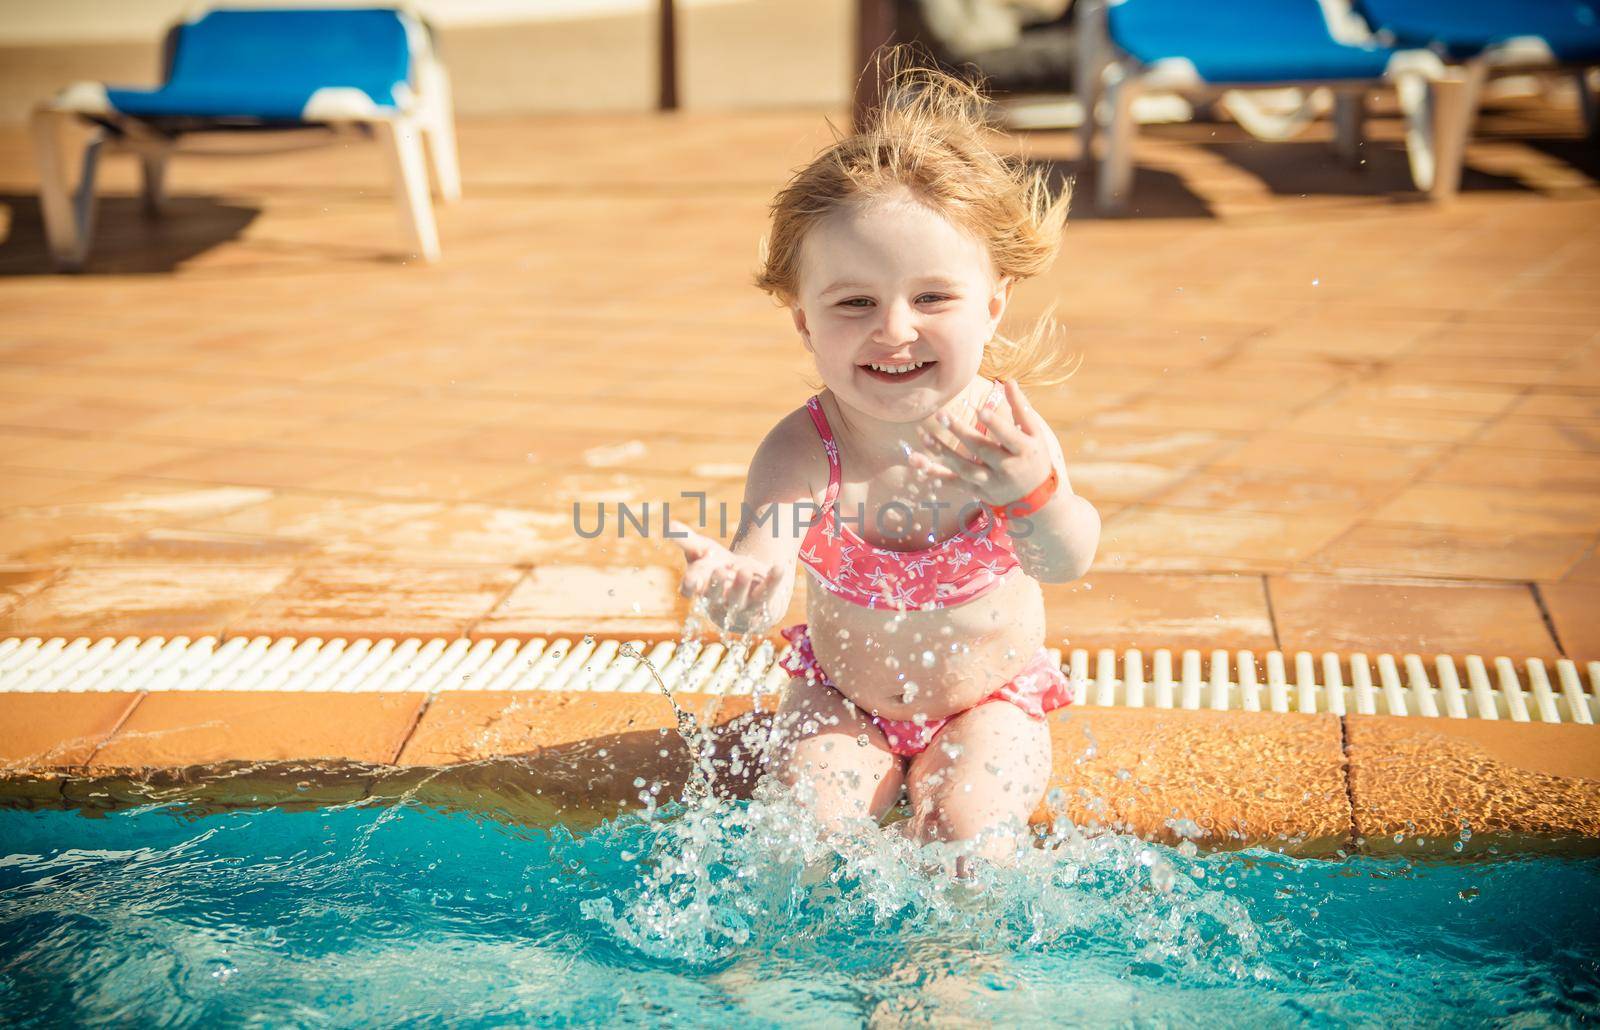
898, 373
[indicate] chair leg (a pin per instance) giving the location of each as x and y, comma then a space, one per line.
401, 139
1452, 109
154, 167
1349, 125
1588, 104
1116, 169
439, 129
1091, 38
68, 216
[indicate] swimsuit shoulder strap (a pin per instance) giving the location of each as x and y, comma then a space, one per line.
830, 447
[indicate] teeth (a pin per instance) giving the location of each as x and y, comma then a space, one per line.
897, 369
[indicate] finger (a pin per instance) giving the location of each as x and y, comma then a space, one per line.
931, 469
945, 450
694, 545
695, 580
733, 582
739, 594
1003, 430
1027, 417
988, 448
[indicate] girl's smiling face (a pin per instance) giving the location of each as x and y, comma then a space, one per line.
893, 282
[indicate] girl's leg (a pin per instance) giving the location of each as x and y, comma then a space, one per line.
819, 750
984, 774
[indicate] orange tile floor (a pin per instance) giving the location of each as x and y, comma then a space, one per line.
1315, 410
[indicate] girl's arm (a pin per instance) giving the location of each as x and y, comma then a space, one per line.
773, 519
1056, 544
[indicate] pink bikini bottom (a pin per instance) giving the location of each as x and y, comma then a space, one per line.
1039, 688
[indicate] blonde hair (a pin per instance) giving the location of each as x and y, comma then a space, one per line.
927, 136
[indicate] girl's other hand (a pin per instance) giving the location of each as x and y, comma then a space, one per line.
1006, 464
739, 589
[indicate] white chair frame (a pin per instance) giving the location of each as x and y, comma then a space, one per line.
1434, 97
425, 115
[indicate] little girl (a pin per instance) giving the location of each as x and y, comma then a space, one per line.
943, 495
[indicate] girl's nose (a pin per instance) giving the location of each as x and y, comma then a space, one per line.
897, 327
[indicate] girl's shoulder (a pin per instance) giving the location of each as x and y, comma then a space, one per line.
791, 453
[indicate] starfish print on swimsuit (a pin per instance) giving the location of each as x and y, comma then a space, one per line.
904, 595
917, 566
879, 578
960, 559
991, 567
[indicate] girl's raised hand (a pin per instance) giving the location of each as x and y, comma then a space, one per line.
1006, 464
738, 589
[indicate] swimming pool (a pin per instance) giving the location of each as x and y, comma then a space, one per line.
368, 913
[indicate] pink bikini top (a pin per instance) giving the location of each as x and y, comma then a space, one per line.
951, 572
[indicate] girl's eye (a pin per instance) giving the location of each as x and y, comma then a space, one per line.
851, 302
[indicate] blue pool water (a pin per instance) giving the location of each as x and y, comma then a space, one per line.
708, 916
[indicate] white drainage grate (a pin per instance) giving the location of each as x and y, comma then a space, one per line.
1222, 680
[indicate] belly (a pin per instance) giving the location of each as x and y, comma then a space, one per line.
955, 656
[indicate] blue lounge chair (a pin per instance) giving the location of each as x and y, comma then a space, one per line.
1209, 49
1492, 37
237, 69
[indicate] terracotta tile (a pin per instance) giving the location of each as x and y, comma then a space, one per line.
57, 730
368, 436
1407, 394
20, 581
1121, 481
590, 490
110, 521
100, 414
1587, 569
211, 427
1190, 414
1509, 784
171, 729
1408, 617
590, 599
1566, 436
328, 521
1558, 405
1247, 490
371, 600
254, 468
143, 600
1534, 470
1493, 509
1378, 549
19, 486
1181, 447
1346, 419
421, 478
1145, 537
1147, 610
563, 447
1575, 610
1240, 778
480, 411
468, 726
145, 501
98, 455
1347, 460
